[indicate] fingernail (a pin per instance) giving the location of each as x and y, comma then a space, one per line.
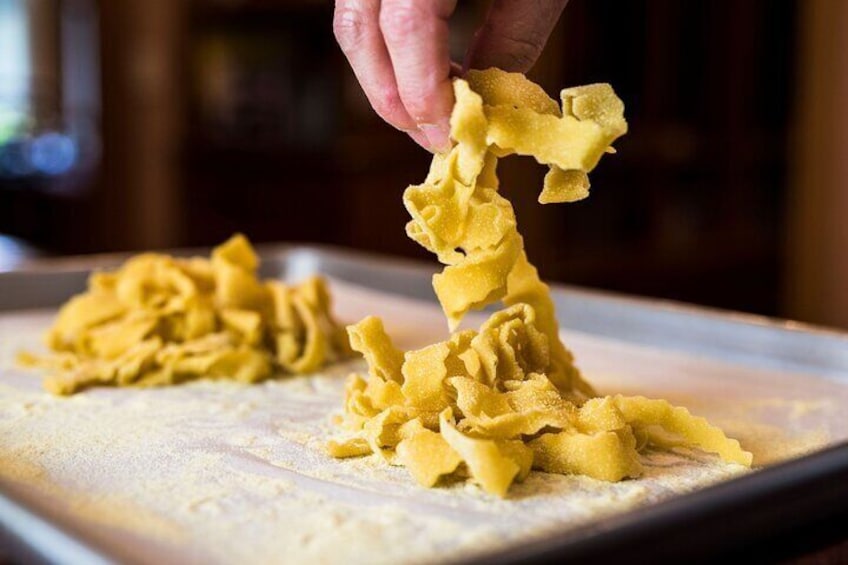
438, 135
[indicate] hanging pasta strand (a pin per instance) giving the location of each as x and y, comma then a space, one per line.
496, 402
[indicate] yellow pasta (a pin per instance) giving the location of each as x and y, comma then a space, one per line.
491, 404
160, 320
486, 394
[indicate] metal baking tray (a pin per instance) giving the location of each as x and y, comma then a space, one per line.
778, 512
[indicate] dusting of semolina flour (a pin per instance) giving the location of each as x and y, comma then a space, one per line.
225, 472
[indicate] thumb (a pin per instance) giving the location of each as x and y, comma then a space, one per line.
514, 34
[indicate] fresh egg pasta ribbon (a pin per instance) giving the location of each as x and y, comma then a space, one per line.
494, 403
161, 320
458, 214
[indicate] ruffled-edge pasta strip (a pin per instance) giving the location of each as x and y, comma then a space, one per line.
161, 320
458, 214
481, 405
495, 403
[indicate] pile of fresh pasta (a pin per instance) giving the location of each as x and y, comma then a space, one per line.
493, 404
161, 320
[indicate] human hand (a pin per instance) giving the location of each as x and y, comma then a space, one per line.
399, 53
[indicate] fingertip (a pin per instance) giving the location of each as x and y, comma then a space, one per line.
432, 115
419, 138
416, 36
438, 136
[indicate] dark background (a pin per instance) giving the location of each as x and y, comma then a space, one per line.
188, 121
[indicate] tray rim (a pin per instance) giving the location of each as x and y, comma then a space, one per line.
95, 261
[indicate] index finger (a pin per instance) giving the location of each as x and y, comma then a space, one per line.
416, 36
356, 27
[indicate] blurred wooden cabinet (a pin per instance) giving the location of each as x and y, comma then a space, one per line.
242, 115
816, 269
692, 206
281, 142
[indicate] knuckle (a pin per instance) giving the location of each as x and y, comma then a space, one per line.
389, 106
400, 18
350, 26
418, 110
522, 54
